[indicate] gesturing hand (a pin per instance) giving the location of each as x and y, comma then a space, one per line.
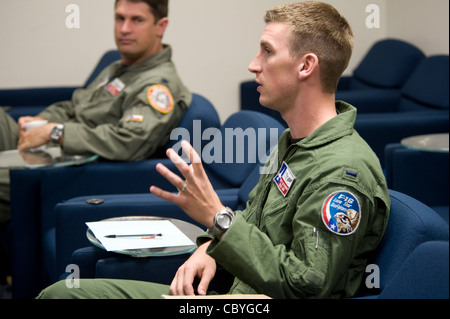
196, 195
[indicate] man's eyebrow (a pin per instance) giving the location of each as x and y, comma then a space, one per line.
120, 15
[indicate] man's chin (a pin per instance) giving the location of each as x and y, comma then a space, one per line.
265, 103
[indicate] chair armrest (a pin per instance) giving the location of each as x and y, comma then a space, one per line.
381, 129
388, 160
35, 96
17, 112
160, 270
86, 258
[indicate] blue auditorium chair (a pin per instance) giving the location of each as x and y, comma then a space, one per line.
423, 175
35, 193
424, 274
422, 109
411, 223
249, 100
377, 81
31, 101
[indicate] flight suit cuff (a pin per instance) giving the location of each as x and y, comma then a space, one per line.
73, 145
219, 249
204, 238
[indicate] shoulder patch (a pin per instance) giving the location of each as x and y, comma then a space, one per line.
341, 213
160, 98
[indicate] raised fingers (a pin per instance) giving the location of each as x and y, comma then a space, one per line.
171, 177
195, 159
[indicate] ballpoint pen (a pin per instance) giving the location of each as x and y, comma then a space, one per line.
141, 236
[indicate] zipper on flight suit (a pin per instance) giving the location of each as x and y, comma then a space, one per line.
316, 234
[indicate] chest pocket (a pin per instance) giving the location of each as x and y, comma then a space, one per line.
99, 107
276, 219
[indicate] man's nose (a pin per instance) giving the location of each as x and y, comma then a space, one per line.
126, 26
254, 66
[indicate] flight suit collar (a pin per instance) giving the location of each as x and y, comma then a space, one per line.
336, 128
163, 56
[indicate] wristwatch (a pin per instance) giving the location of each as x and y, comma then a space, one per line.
56, 133
222, 222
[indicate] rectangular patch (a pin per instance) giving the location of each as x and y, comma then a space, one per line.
135, 118
284, 179
350, 174
115, 87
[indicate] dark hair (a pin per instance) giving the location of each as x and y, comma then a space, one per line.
159, 8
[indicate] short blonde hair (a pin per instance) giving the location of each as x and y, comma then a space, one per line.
318, 28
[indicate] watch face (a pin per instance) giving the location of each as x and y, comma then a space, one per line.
224, 220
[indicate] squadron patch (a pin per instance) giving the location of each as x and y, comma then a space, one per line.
341, 213
160, 98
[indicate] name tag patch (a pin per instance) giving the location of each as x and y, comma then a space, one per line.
284, 179
341, 213
115, 87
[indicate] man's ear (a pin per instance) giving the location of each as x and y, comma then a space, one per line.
162, 26
308, 65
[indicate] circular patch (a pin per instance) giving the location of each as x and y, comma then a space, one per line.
160, 98
341, 213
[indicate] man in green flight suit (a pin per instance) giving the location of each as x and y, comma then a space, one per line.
320, 207
129, 110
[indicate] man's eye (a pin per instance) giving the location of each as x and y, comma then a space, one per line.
267, 51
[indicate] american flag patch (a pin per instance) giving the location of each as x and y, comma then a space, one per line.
135, 118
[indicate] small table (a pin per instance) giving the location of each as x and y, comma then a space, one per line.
50, 157
190, 230
428, 143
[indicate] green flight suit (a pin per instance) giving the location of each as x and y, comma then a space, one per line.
280, 245
127, 113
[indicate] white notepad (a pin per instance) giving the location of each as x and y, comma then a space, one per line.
157, 234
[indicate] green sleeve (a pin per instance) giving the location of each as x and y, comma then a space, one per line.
140, 133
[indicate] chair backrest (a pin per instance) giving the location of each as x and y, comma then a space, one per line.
424, 275
200, 116
388, 64
427, 87
410, 224
419, 174
249, 97
240, 145
108, 58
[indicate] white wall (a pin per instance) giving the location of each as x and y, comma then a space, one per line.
213, 40
427, 26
